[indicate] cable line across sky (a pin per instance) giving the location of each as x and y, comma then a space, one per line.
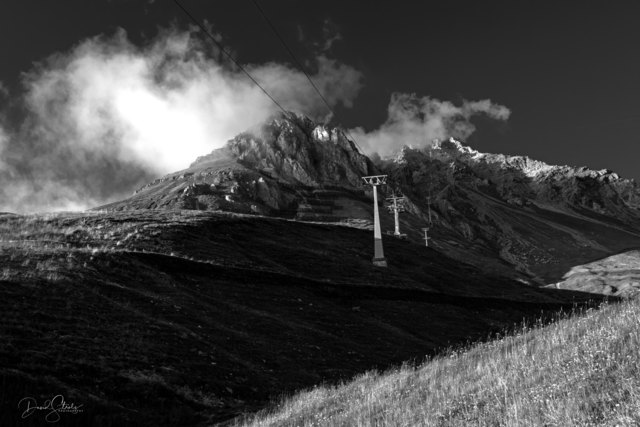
293, 56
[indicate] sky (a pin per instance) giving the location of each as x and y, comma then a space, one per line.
97, 98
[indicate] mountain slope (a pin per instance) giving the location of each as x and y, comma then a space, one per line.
617, 275
542, 219
268, 170
155, 317
508, 215
578, 371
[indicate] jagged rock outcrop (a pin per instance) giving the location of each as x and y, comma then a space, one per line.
283, 167
521, 180
296, 150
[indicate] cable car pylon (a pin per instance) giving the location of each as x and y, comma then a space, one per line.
396, 206
378, 258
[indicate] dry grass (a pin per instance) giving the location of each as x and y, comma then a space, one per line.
176, 317
94, 233
582, 370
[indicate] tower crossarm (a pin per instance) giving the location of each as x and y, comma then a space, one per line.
375, 179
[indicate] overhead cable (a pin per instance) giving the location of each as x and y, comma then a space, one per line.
222, 49
301, 67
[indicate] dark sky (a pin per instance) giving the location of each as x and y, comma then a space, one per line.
569, 71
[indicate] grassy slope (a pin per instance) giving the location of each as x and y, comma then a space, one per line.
579, 371
173, 318
617, 275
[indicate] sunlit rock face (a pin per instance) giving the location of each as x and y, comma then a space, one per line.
294, 149
509, 215
522, 180
274, 168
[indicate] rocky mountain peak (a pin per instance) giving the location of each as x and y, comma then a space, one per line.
293, 148
452, 146
284, 167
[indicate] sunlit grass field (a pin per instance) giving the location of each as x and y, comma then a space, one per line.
582, 370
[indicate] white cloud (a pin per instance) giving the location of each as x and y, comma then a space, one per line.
417, 121
4, 141
108, 115
338, 83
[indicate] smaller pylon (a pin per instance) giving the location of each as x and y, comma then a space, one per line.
396, 206
426, 237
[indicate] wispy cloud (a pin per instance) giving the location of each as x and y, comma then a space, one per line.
330, 34
417, 121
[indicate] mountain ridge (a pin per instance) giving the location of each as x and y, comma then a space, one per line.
511, 215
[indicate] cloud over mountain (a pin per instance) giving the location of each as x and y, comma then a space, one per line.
108, 115
417, 121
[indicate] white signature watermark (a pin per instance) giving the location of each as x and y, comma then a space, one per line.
51, 408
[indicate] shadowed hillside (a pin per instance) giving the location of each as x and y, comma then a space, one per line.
179, 317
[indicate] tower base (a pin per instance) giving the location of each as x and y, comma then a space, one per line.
379, 262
